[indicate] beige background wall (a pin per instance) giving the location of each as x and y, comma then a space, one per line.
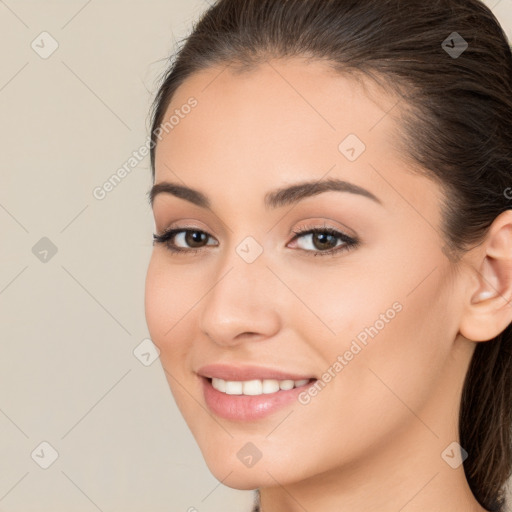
72, 267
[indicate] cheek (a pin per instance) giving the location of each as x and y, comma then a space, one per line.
169, 302
398, 364
392, 342
169, 316
155, 300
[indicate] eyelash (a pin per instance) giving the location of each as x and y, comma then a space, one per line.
349, 242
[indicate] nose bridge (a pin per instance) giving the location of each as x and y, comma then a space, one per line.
240, 300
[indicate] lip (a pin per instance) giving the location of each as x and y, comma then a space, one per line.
247, 372
246, 408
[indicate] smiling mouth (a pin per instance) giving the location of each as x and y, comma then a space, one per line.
256, 387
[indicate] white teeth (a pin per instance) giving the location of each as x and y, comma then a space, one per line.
286, 384
233, 387
255, 387
219, 384
270, 386
252, 387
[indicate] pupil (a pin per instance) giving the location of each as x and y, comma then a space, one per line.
325, 236
193, 237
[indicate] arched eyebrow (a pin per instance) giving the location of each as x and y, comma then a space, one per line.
278, 198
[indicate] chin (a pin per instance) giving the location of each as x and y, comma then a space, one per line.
225, 465
227, 468
243, 479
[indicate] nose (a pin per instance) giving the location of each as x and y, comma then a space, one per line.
242, 304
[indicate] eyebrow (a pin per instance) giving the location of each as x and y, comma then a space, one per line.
274, 199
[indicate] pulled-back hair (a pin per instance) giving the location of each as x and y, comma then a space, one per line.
456, 128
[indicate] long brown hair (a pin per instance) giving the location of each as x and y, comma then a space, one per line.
456, 124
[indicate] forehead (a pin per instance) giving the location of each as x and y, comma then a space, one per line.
290, 103
282, 121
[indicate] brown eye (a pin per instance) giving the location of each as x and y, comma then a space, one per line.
324, 241
183, 240
195, 238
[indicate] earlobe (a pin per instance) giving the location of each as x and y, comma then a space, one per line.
488, 310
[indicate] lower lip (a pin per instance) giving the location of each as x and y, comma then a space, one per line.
248, 407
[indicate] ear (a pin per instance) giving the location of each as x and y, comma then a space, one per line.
488, 302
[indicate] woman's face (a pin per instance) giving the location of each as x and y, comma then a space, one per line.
373, 322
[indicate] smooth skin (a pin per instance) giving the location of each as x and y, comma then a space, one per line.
372, 439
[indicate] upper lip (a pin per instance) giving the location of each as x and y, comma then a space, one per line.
245, 372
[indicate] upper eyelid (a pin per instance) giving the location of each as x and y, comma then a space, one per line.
298, 231
315, 225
